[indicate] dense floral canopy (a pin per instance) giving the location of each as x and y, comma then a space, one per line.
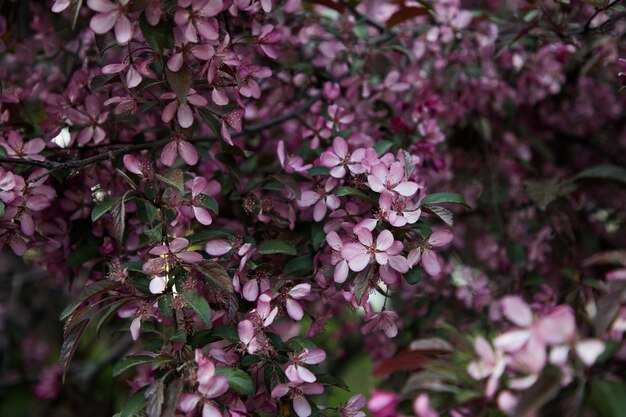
312, 207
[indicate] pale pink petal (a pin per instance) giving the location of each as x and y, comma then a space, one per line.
512, 340
251, 290
103, 22
558, 327
341, 272
202, 215
280, 391
517, 311
308, 198
102, 6
175, 62
330, 159
169, 111
135, 326
123, 30
375, 183
294, 309
157, 285
301, 406
319, 211
188, 402
384, 241
245, 330
209, 410
305, 375
359, 262
188, 152
588, 350
300, 291
440, 238
406, 189
431, 262
314, 356
219, 97
217, 247
184, 116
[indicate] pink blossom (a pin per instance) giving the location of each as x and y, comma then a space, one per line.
132, 78
291, 163
341, 265
528, 343
210, 386
385, 321
384, 250
422, 408
92, 118
340, 160
353, 407
298, 292
391, 179
200, 19
17, 148
200, 188
245, 330
182, 108
179, 146
491, 364
425, 252
322, 199
266, 36
297, 391
111, 14
382, 403
296, 372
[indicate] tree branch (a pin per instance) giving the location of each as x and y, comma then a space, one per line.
53, 166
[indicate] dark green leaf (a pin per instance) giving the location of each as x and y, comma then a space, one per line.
302, 265
103, 208
351, 192
99, 81
413, 276
155, 396
172, 394
135, 404
288, 182
110, 313
276, 246
129, 362
96, 288
199, 305
443, 198
208, 202
215, 275
180, 81
299, 343
70, 344
361, 284
82, 254
444, 214
326, 379
319, 171
251, 360
238, 380
382, 147
606, 172
175, 178
210, 119
608, 398
158, 37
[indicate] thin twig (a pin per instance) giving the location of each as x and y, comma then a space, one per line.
53, 166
